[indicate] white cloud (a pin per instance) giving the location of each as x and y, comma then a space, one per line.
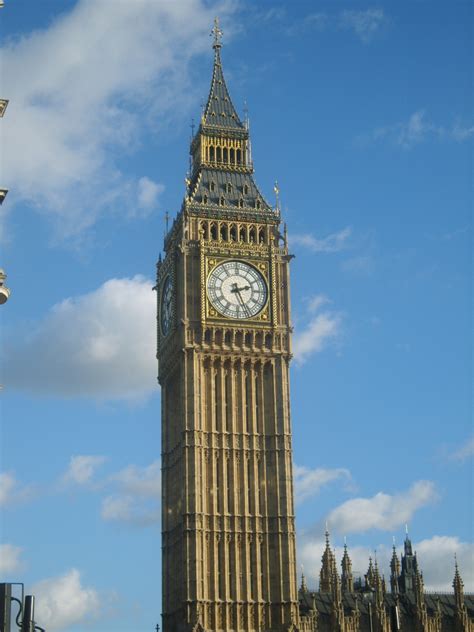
320, 330
83, 92
137, 501
11, 491
465, 452
382, 511
332, 243
10, 559
141, 481
148, 193
82, 468
365, 24
100, 344
435, 558
63, 601
418, 128
308, 482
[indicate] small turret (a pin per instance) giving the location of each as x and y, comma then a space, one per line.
327, 568
458, 586
370, 576
394, 571
407, 582
346, 576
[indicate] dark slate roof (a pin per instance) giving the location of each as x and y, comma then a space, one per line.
406, 603
219, 111
242, 186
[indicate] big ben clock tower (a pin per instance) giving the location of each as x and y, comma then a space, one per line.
224, 350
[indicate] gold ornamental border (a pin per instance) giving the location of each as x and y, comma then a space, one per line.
263, 316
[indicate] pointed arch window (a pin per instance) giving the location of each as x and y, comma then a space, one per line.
222, 201
211, 153
246, 189
233, 233
225, 155
212, 185
252, 235
239, 156
242, 234
223, 232
232, 156
213, 232
261, 236
219, 154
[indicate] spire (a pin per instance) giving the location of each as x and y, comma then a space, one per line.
370, 575
409, 571
326, 575
394, 571
219, 111
304, 586
346, 576
458, 585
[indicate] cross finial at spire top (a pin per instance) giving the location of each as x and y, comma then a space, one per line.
217, 34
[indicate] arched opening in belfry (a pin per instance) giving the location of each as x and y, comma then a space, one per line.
242, 233
239, 156
261, 235
232, 156
204, 230
225, 155
252, 235
219, 154
233, 233
213, 232
211, 153
224, 232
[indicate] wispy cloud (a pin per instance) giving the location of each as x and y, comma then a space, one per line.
308, 482
382, 511
10, 561
319, 330
82, 468
464, 452
417, 129
365, 24
99, 345
64, 601
11, 491
333, 242
113, 71
136, 501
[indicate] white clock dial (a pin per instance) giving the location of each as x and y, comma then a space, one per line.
166, 305
237, 289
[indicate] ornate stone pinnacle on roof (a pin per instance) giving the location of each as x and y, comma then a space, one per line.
217, 33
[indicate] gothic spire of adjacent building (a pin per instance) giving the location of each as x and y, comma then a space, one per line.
346, 575
326, 577
458, 585
370, 575
394, 571
409, 572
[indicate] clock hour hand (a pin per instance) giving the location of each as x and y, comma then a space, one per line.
236, 290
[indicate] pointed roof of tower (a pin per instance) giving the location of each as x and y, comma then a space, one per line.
458, 584
219, 110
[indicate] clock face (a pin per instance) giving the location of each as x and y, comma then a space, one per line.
166, 305
237, 290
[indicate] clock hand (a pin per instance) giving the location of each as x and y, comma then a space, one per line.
242, 302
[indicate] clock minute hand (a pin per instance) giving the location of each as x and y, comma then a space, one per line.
236, 290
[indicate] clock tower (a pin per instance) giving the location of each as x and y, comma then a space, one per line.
228, 533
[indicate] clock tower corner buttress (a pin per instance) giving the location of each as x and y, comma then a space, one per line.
228, 533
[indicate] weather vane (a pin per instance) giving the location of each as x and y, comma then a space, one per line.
217, 33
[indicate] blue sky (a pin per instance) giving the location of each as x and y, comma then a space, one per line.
363, 113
